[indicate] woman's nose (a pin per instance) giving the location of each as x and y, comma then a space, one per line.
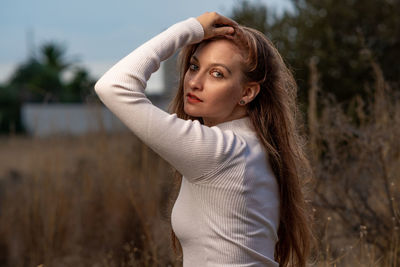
195, 82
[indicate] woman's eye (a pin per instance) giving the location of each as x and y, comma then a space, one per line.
193, 67
217, 74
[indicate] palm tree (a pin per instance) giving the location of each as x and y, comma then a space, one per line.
40, 79
53, 56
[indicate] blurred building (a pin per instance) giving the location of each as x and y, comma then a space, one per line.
48, 119
42, 119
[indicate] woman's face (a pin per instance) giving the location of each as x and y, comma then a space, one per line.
213, 83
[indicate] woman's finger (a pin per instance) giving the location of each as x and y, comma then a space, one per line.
221, 20
223, 31
216, 24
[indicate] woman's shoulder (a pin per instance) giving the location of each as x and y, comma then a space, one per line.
242, 127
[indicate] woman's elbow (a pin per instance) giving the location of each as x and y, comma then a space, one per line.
104, 89
100, 87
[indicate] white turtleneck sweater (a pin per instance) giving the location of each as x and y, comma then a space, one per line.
227, 211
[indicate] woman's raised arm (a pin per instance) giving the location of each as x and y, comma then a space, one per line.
193, 149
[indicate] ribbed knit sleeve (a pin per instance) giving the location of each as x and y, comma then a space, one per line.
195, 150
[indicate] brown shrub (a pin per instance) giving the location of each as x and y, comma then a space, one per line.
356, 157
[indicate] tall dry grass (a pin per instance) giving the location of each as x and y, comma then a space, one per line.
96, 200
355, 150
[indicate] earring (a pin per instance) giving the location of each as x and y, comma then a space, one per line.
242, 102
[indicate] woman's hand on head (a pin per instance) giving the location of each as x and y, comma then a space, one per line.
215, 24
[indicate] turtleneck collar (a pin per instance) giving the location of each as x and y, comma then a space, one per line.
240, 125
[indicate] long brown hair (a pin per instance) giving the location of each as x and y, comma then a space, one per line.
275, 116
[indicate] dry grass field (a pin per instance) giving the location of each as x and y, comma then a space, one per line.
104, 200
95, 200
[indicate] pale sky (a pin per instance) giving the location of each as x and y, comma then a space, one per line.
95, 33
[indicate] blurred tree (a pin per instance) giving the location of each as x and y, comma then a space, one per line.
10, 121
335, 33
54, 65
53, 56
40, 79
24, 81
79, 87
253, 15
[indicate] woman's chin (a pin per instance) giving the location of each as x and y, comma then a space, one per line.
191, 112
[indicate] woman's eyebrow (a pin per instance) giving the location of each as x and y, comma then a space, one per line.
214, 64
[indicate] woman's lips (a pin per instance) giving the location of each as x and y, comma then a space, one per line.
193, 99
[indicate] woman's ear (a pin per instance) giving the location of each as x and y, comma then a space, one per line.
250, 91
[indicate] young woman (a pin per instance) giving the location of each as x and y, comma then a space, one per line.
232, 137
